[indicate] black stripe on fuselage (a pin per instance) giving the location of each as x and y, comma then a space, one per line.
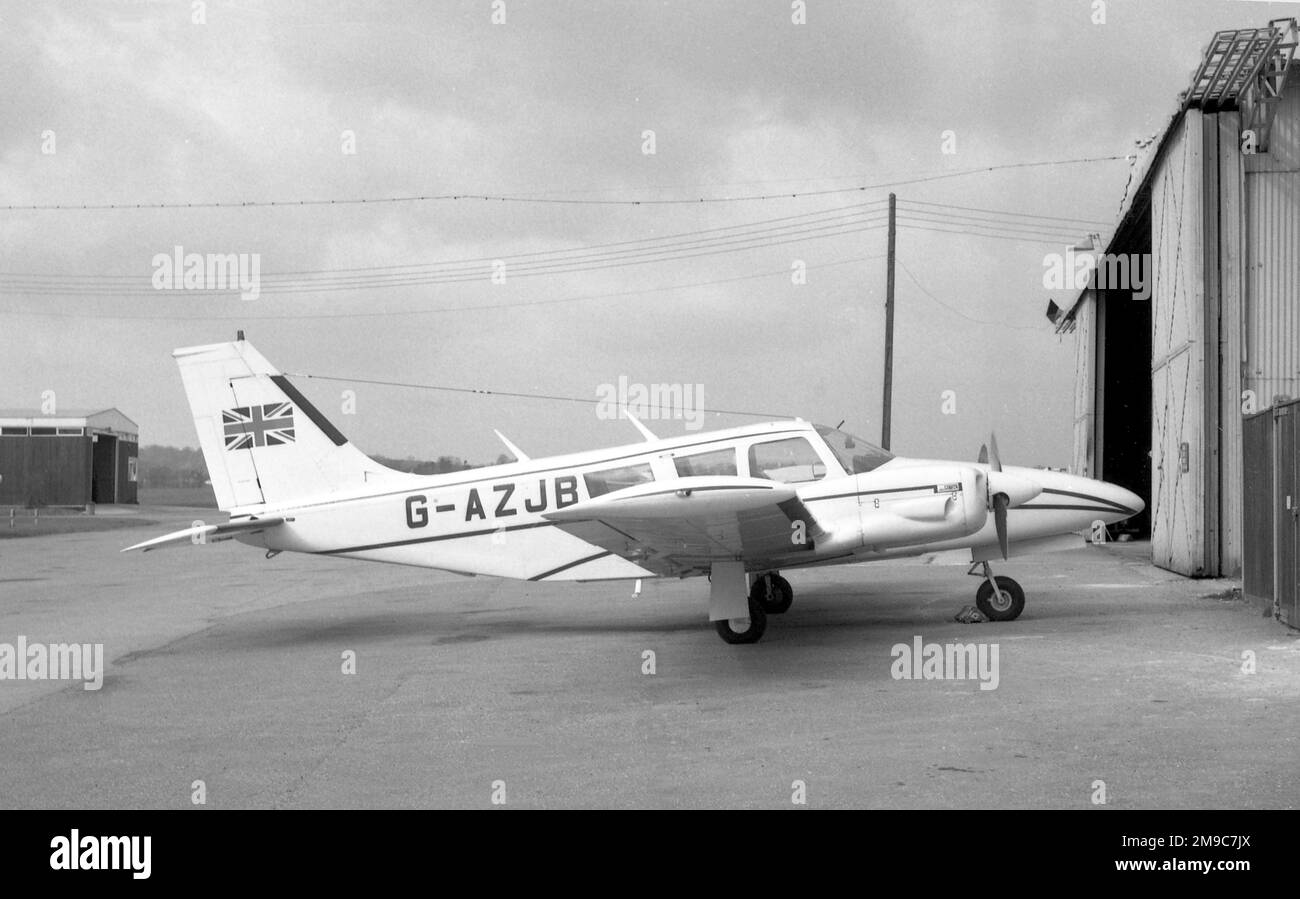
1108, 509
1117, 507
627, 499
813, 499
575, 564
434, 538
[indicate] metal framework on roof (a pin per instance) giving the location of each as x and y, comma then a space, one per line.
1246, 69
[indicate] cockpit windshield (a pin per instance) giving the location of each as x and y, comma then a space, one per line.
855, 454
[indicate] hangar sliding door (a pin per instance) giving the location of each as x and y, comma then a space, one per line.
1178, 433
1085, 380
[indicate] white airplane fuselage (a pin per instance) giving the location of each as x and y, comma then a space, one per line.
489, 521
738, 505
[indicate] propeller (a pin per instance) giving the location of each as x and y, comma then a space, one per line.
989, 453
1001, 502
998, 502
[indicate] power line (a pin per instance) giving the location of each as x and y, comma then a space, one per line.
860, 208
958, 218
1023, 215
445, 309
505, 393
979, 321
422, 198
989, 230
1017, 238
703, 249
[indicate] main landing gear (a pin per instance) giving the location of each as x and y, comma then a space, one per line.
739, 618
998, 598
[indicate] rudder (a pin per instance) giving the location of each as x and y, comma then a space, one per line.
263, 442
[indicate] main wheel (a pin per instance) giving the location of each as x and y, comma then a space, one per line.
729, 629
1006, 605
773, 593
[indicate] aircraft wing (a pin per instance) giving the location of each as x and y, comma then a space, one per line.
682, 526
208, 533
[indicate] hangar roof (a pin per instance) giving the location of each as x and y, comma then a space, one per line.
104, 419
1243, 69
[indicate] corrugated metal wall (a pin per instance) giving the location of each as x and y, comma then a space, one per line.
1286, 546
1178, 354
1257, 509
1272, 364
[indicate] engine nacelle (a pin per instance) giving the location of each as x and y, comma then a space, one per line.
922, 504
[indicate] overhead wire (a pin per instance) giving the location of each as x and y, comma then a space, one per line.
523, 198
434, 310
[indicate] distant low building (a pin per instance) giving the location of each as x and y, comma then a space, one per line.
69, 459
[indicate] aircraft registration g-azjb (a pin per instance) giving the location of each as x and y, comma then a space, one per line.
738, 505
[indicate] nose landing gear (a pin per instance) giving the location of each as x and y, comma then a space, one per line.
998, 598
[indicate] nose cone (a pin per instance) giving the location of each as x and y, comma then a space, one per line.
1125, 502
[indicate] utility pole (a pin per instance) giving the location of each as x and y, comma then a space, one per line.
889, 334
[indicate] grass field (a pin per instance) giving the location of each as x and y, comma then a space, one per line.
63, 521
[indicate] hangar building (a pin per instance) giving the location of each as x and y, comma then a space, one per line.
69, 459
1166, 380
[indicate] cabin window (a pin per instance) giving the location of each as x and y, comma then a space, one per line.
601, 482
711, 464
789, 461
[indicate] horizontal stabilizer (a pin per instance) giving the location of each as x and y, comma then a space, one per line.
208, 533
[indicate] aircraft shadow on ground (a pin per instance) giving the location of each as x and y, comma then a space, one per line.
817, 614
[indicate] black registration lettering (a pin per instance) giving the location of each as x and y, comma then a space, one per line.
541, 492
506, 490
566, 491
474, 506
417, 512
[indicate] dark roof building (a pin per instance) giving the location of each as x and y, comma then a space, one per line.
71, 458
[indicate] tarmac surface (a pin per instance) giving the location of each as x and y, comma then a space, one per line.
226, 667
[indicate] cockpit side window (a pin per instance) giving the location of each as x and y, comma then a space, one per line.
789, 461
601, 482
713, 463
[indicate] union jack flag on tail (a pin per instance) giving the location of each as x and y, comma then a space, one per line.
250, 426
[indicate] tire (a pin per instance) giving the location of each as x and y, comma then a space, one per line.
773, 593
754, 633
1011, 605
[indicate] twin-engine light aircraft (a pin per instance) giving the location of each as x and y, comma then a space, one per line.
739, 505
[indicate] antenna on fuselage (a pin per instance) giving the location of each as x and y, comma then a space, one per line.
520, 455
645, 432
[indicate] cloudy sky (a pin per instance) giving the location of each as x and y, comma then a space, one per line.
124, 103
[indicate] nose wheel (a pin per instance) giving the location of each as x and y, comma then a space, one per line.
998, 598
